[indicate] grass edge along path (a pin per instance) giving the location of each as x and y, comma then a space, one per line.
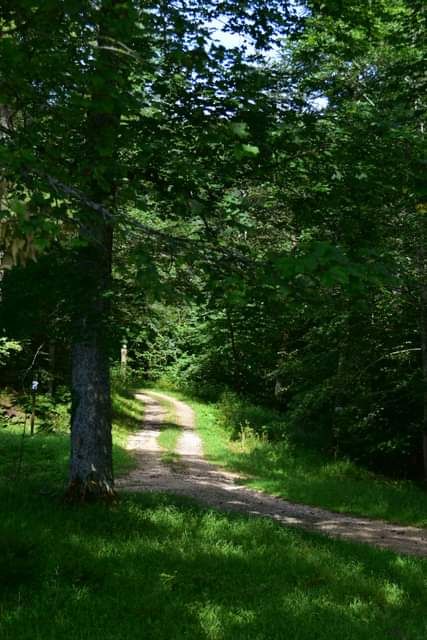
169, 435
304, 476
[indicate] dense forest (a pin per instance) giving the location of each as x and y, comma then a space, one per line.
235, 190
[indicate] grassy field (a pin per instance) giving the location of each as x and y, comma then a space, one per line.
301, 474
157, 568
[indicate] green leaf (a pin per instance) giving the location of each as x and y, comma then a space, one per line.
246, 151
240, 129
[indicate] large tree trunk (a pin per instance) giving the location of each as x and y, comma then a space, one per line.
91, 473
91, 467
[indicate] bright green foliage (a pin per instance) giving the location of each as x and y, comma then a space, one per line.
119, 119
7, 348
267, 211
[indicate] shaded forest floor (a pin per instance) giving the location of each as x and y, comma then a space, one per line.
158, 567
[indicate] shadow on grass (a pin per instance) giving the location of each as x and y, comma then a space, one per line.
158, 567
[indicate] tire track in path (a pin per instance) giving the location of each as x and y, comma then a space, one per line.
196, 478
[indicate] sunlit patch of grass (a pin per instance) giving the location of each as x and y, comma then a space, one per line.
169, 436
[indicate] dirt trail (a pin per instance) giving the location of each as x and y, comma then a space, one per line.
207, 483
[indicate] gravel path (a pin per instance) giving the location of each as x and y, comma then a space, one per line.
196, 478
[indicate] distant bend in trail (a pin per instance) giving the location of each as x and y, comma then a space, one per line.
196, 478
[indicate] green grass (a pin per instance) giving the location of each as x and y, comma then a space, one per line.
43, 458
128, 414
157, 567
304, 476
168, 437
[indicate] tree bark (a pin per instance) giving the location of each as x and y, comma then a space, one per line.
91, 471
91, 466
237, 373
52, 361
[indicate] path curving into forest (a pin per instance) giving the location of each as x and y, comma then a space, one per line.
198, 479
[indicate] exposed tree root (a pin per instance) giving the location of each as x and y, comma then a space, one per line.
90, 491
